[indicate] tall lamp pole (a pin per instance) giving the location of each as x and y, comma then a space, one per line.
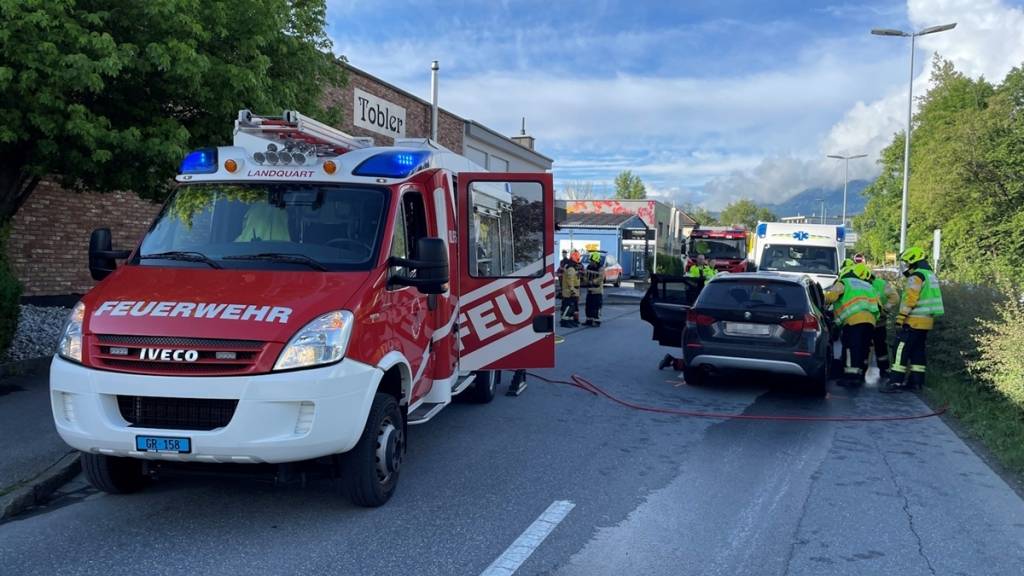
846, 175
910, 103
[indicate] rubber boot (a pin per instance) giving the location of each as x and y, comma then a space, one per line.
891, 387
518, 384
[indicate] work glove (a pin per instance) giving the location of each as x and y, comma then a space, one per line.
901, 320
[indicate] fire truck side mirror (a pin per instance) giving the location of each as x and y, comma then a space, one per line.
431, 266
433, 255
102, 256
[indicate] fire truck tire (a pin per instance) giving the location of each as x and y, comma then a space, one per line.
485, 386
112, 474
370, 469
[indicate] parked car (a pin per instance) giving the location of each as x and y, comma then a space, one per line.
612, 271
761, 321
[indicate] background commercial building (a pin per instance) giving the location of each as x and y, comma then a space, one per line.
49, 234
619, 235
671, 226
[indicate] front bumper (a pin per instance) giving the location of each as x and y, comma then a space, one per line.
280, 417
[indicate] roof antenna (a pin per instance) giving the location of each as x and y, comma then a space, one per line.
522, 131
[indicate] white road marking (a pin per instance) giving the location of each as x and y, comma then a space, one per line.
531, 538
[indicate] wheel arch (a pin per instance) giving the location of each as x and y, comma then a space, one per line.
397, 378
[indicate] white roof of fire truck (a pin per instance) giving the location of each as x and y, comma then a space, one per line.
293, 147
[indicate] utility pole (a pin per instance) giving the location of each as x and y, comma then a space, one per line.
846, 175
910, 114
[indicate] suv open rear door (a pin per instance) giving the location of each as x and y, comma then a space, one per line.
506, 270
665, 305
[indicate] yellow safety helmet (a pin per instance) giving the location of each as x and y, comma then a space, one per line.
846, 267
862, 271
913, 255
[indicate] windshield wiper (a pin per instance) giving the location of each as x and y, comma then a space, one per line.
289, 258
183, 256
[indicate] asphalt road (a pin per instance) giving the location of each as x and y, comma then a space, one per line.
653, 494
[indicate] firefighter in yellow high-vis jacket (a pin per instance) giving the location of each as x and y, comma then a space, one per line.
855, 303
920, 305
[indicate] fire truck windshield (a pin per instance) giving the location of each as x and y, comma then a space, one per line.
719, 248
268, 226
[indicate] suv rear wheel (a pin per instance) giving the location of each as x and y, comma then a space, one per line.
113, 475
817, 385
695, 376
370, 469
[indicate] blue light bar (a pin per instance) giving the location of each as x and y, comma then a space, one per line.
396, 164
762, 230
202, 161
840, 234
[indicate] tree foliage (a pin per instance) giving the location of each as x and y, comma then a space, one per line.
578, 190
701, 215
629, 186
109, 96
966, 177
744, 212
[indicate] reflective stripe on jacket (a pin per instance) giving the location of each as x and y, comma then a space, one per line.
929, 302
858, 303
707, 272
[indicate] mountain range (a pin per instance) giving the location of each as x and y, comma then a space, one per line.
808, 202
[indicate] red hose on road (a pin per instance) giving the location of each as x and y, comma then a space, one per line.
588, 386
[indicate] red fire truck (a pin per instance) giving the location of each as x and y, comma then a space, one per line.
724, 247
292, 302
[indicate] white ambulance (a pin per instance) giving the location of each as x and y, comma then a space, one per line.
816, 250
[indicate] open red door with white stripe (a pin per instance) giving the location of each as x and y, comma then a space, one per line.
506, 271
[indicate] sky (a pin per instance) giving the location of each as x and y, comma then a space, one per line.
707, 101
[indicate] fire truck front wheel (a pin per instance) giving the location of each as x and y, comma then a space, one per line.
112, 474
370, 469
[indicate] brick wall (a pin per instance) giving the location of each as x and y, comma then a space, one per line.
49, 242
450, 128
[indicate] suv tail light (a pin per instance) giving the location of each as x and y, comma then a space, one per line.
697, 319
809, 323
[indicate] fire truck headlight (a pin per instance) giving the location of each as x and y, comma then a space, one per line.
70, 346
322, 341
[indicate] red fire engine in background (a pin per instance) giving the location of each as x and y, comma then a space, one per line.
724, 247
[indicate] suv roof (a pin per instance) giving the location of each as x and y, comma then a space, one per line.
773, 276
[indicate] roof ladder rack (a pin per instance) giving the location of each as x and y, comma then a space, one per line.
294, 126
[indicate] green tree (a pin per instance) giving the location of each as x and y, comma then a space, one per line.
878, 227
700, 214
108, 97
966, 177
629, 186
745, 212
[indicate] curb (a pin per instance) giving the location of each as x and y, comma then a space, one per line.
38, 489
25, 367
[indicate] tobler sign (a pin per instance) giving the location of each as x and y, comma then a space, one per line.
377, 114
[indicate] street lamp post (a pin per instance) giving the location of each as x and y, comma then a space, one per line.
910, 103
846, 175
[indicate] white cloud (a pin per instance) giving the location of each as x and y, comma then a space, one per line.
988, 41
710, 135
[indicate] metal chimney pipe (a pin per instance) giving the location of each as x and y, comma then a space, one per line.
433, 99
